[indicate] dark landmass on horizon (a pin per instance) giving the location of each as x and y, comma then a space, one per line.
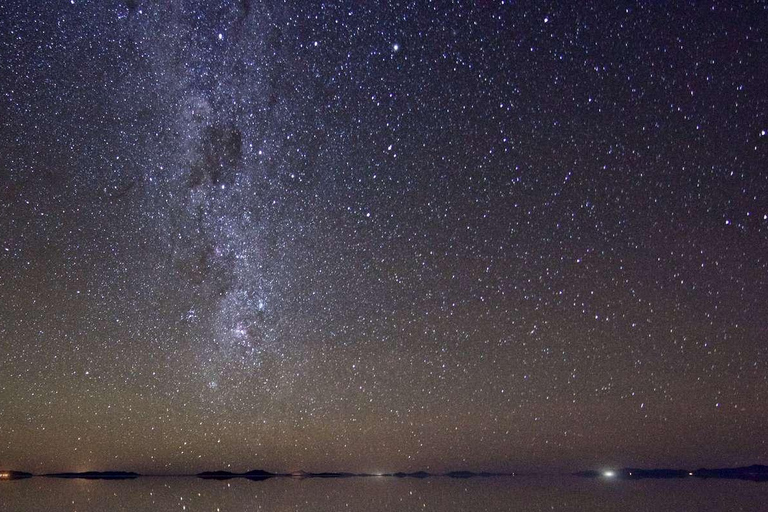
14, 475
417, 474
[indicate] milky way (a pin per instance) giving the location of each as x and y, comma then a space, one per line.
413, 236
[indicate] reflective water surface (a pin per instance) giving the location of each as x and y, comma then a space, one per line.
372, 494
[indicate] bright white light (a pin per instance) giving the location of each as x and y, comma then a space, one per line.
609, 474
396, 47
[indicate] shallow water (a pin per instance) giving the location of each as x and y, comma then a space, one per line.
374, 494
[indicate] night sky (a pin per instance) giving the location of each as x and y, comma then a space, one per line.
428, 235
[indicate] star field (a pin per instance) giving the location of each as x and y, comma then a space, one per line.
423, 235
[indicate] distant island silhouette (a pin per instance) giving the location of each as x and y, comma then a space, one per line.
14, 475
418, 474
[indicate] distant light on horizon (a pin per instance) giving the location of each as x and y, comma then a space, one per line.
609, 474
